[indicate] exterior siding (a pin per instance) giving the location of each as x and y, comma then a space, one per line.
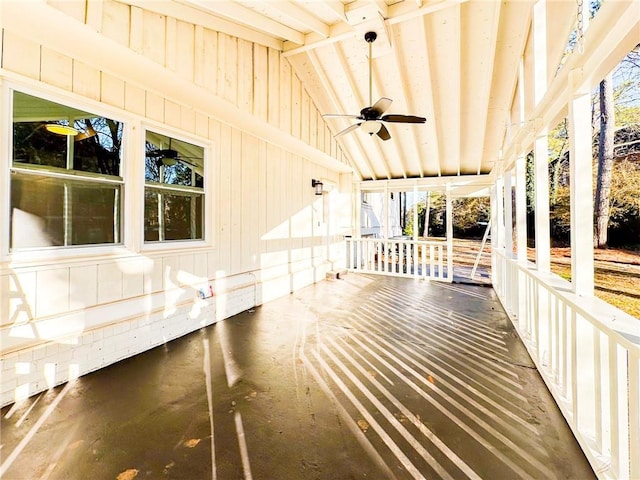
64, 316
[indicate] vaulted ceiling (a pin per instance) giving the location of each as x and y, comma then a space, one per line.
454, 62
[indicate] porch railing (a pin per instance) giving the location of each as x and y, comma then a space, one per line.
588, 353
398, 257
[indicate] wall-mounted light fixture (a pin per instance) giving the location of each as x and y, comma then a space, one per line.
317, 184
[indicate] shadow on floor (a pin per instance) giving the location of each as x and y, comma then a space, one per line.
362, 377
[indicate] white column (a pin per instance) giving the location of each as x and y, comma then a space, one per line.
521, 232
541, 153
415, 214
543, 233
581, 200
357, 211
449, 213
539, 50
385, 209
494, 238
498, 225
508, 214
521, 208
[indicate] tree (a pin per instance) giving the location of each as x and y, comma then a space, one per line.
605, 161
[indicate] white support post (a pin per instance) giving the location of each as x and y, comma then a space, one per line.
498, 225
539, 50
494, 238
415, 214
358, 212
449, 234
508, 214
581, 193
521, 231
543, 232
521, 209
541, 153
385, 208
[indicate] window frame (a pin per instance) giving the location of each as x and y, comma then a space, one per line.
205, 191
7, 168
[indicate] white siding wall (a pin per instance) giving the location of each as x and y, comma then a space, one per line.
63, 316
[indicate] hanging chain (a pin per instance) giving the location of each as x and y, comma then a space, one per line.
580, 29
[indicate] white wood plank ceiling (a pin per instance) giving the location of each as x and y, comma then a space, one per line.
454, 62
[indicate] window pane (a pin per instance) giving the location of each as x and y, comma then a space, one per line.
176, 213
48, 212
183, 217
92, 145
151, 223
172, 161
182, 214
97, 148
33, 144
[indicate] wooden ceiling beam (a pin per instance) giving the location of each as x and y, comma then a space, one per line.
297, 16
248, 18
396, 13
197, 16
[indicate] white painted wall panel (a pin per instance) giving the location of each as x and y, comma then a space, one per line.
135, 100
172, 114
83, 286
115, 21
235, 201
285, 96
86, 80
245, 75
206, 56
56, 69
154, 107
153, 276
273, 108
109, 283
132, 278
52, 292
184, 50
261, 82
112, 90
153, 36
20, 55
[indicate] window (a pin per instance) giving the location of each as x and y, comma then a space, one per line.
66, 180
174, 189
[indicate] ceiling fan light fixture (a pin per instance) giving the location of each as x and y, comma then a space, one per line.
60, 129
371, 126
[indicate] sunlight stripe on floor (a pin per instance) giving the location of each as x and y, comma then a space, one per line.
458, 421
446, 378
409, 415
391, 445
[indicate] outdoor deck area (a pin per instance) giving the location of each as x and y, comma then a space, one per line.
366, 376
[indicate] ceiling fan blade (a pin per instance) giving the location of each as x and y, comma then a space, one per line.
340, 115
403, 119
348, 129
383, 133
381, 105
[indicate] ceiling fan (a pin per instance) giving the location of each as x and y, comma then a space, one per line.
371, 117
169, 157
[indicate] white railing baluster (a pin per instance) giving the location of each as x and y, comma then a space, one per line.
589, 354
405, 258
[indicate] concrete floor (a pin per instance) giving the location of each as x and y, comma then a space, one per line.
362, 377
